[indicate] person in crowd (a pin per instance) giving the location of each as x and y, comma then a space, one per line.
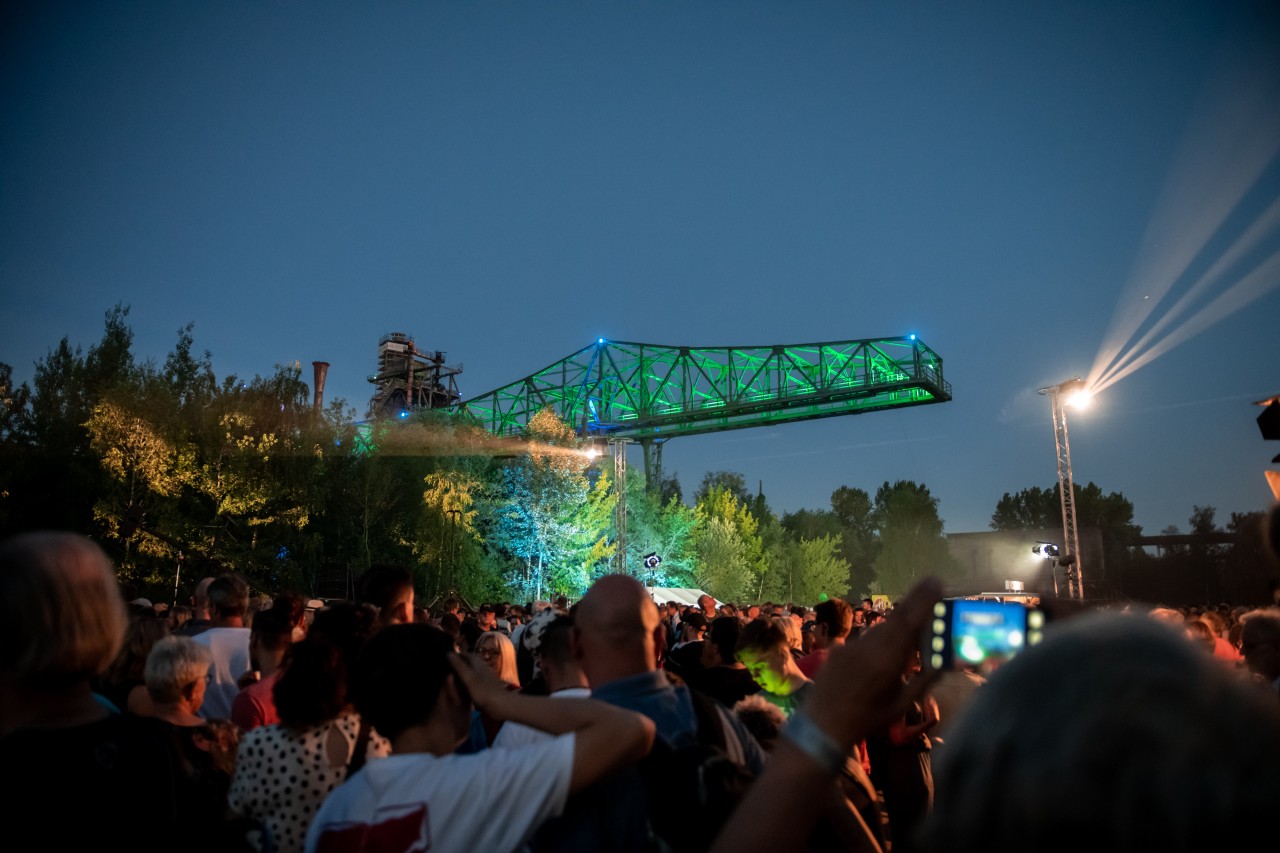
952, 691
475, 625
765, 653
388, 589
1216, 619
450, 624
558, 673
227, 639
1069, 746
284, 771
615, 636
493, 650
75, 767
295, 606
123, 684
257, 604
853, 818
411, 686
201, 615
269, 640
859, 621
707, 604
832, 622
203, 752
500, 621
791, 630
1201, 634
1155, 748
722, 676
178, 617
684, 659
667, 621
1260, 645
859, 690
901, 756
763, 719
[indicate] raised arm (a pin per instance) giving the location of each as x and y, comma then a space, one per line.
608, 738
859, 690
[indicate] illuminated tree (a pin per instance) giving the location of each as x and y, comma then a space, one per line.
804, 570
729, 551
544, 512
724, 566
145, 471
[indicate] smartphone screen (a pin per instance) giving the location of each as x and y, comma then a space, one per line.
980, 634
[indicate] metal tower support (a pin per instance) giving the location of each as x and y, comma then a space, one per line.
652, 448
646, 391
619, 447
1066, 487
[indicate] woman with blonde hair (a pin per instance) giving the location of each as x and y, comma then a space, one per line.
789, 626
495, 651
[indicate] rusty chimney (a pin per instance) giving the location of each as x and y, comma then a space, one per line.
322, 370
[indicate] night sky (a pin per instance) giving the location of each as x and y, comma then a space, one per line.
1026, 186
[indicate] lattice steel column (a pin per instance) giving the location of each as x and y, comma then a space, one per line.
1066, 487
619, 447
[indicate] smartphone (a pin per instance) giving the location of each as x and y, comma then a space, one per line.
979, 634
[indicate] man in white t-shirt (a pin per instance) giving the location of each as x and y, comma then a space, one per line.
228, 639
416, 691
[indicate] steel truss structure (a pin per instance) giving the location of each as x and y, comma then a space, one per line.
649, 392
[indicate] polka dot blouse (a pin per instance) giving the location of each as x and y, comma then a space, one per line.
283, 775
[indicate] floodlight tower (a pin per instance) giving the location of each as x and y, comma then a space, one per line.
1074, 391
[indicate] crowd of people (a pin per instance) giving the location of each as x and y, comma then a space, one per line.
256, 723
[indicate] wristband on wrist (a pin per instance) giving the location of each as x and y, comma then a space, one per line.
807, 737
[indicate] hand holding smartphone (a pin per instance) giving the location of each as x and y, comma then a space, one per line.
979, 634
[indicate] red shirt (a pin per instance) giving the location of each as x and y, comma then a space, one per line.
255, 705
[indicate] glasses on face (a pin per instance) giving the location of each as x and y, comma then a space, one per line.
487, 654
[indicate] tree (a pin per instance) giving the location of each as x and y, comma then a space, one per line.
807, 570
1111, 514
858, 544
724, 561
13, 446
728, 548
1247, 567
730, 481
145, 471
59, 473
911, 542
542, 512
1029, 509
664, 527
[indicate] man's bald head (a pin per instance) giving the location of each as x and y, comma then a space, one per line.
615, 624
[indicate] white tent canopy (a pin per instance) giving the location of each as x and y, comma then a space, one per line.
663, 594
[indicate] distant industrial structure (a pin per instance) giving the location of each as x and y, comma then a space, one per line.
410, 379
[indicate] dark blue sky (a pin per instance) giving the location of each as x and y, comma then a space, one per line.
509, 181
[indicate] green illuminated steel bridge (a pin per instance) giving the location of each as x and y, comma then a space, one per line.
650, 393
